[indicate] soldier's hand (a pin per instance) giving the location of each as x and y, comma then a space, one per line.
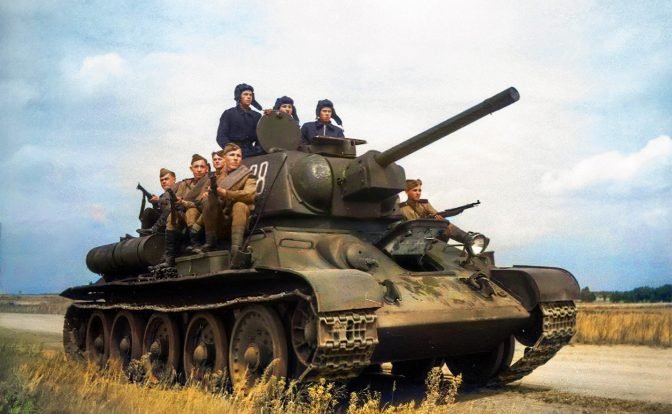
438, 217
154, 199
221, 191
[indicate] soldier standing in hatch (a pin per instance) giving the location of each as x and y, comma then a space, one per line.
186, 214
284, 104
239, 124
416, 208
167, 179
228, 204
324, 111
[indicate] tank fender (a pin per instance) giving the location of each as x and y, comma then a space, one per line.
342, 289
534, 284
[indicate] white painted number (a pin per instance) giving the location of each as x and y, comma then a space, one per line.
260, 171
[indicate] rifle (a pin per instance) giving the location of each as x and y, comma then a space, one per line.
457, 210
175, 213
146, 194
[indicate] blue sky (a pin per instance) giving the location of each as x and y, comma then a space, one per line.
96, 96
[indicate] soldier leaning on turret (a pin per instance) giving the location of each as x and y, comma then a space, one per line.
324, 111
284, 104
162, 203
228, 204
239, 124
416, 208
186, 214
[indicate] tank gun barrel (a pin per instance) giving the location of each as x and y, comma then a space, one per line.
476, 112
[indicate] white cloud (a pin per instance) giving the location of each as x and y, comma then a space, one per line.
615, 171
98, 71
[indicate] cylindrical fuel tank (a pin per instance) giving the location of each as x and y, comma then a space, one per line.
126, 258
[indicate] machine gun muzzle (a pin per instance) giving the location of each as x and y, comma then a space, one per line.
411, 145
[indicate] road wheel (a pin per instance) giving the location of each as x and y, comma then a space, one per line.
304, 333
206, 346
479, 369
162, 342
126, 338
97, 335
257, 340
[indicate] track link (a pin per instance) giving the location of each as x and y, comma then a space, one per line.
558, 328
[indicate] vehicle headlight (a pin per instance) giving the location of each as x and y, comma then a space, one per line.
480, 243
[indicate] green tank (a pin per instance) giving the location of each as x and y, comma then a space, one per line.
335, 282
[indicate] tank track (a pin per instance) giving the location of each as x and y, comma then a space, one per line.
558, 328
346, 341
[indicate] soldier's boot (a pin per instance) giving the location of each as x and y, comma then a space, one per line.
459, 235
193, 243
170, 252
210, 241
239, 259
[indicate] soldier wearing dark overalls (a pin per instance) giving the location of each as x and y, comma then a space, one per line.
322, 126
239, 124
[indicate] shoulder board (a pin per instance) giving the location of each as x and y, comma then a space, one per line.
403, 204
423, 201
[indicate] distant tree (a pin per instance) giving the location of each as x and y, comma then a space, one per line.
587, 295
643, 294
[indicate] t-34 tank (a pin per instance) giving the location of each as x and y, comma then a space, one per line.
335, 284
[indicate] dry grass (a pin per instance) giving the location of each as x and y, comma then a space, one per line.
34, 378
625, 324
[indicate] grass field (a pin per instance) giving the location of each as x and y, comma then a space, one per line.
36, 378
625, 324
33, 304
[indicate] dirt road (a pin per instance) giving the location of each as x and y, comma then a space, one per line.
585, 378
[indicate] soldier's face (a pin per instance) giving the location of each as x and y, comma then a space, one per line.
286, 108
199, 168
167, 181
246, 98
414, 193
217, 161
233, 159
325, 115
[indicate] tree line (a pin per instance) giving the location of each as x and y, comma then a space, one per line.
640, 294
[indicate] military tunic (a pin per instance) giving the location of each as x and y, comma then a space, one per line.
413, 210
220, 214
310, 130
240, 127
190, 190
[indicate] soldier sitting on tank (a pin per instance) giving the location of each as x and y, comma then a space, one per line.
322, 126
186, 214
416, 208
284, 104
239, 124
228, 202
154, 219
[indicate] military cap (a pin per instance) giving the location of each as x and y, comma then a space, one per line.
410, 184
286, 100
326, 103
229, 147
197, 157
164, 171
242, 87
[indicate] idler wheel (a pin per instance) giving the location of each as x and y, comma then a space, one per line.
205, 346
162, 341
74, 332
257, 341
126, 337
97, 334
